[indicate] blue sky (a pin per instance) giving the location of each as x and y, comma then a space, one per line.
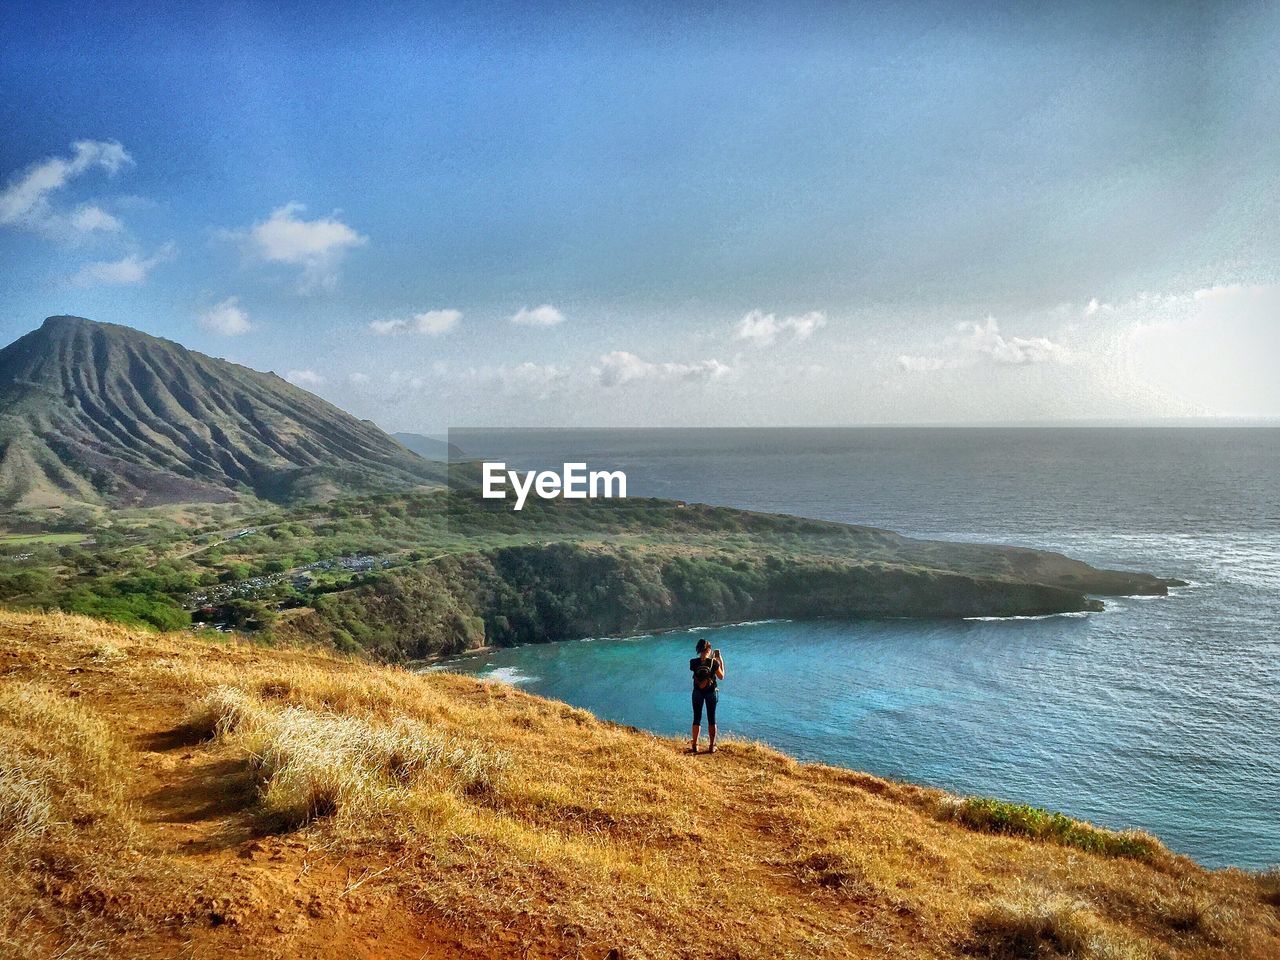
449, 215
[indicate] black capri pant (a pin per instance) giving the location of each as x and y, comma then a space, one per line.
709, 697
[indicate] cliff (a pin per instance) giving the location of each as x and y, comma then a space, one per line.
535, 594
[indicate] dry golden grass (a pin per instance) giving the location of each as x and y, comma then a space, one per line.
1032, 926
448, 817
317, 763
62, 806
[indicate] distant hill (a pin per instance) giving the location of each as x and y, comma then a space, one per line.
95, 413
430, 448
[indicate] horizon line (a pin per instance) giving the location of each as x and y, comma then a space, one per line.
1118, 423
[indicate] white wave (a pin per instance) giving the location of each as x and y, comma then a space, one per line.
1044, 616
511, 675
722, 626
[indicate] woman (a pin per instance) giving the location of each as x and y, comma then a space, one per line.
708, 669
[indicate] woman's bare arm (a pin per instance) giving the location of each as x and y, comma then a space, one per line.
720, 668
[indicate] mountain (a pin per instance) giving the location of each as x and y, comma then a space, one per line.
430, 448
95, 413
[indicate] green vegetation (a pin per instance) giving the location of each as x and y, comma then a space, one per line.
134, 609
29, 538
1017, 819
533, 594
412, 574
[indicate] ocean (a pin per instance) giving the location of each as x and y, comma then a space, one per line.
1161, 714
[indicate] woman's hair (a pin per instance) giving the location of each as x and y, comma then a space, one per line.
703, 644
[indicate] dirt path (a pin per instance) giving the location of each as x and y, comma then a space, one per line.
245, 892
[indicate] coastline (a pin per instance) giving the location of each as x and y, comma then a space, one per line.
426, 662
894, 697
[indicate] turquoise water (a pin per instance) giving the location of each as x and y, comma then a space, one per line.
1158, 713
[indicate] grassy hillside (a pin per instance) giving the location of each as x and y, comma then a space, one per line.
160, 796
414, 574
558, 591
95, 413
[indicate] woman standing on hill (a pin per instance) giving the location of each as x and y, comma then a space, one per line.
707, 668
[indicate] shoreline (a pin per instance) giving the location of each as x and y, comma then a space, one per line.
489, 648
425, 662
643, 698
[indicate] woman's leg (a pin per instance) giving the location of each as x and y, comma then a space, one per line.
697, 718
712, 698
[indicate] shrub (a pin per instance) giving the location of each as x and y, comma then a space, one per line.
1035, 927
135, 609
833, 869
1017, 819
317, 764
1013, 931
222, 712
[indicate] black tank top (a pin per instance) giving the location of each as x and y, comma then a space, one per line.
695, 664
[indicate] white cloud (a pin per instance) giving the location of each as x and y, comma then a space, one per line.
357, 379
433, 323
762, 328
619, 367
24, 202
1237, 295
758, 327
93, 219
986, 340
802, 327
304, 378
128, 270
226, 318
977, 343
316, 246
541, 381
543, 316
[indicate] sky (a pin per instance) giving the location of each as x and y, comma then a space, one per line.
448, 215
